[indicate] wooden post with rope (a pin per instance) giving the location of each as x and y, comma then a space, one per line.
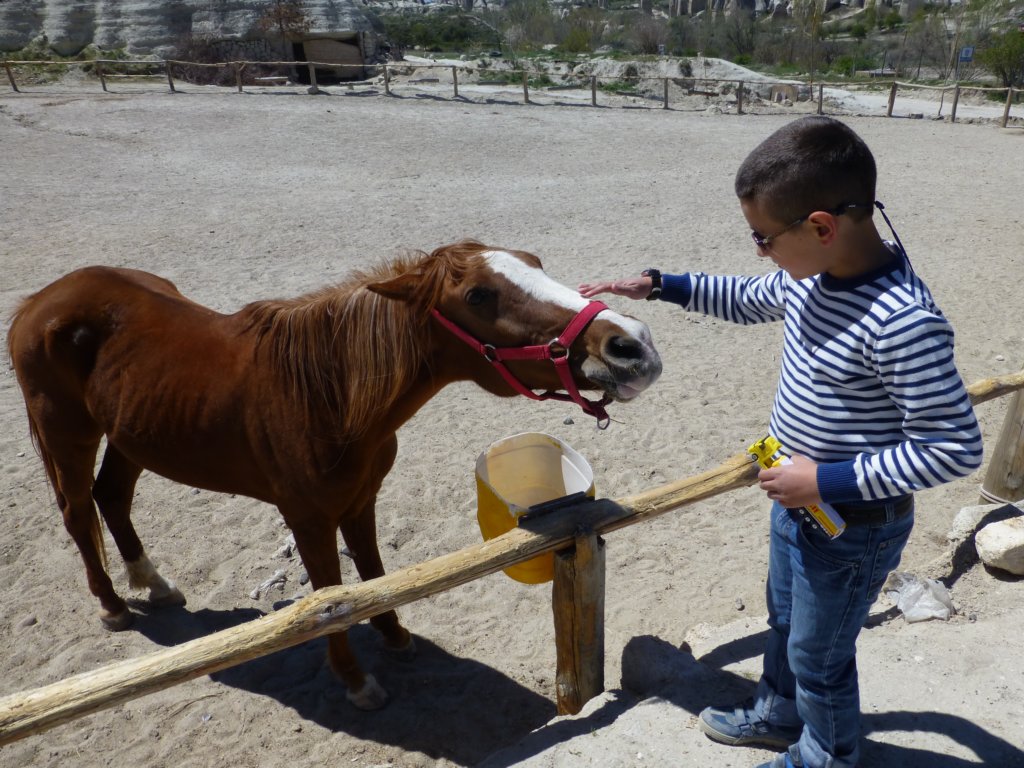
1006, 109
593, 90
892, 99
170, 78
14, 85
526, 88
956, 100
821, 98
455, 82
99, 71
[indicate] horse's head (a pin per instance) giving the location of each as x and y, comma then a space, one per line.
521, 321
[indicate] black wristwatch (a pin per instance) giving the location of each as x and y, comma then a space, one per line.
655, 276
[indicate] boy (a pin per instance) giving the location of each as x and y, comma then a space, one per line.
869, 405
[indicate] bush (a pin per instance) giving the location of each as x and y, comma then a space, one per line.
1005, 58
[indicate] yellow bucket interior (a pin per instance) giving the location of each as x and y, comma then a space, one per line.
518, 472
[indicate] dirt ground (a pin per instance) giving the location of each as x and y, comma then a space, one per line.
236, 197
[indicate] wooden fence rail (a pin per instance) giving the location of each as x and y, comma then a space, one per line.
337, 608
104, 66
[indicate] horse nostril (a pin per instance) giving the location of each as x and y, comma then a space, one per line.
624, 348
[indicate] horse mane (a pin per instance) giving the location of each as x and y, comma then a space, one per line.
349, 352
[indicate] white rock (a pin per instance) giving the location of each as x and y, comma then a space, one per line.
1001, 545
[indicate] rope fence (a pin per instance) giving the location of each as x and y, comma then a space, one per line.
106, 69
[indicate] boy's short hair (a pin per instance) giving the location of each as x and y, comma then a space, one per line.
811, 164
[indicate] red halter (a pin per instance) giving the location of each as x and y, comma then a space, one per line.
556, 350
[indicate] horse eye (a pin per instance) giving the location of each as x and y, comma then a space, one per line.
477, 296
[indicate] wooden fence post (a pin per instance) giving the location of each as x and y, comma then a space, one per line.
526, 88
99, 71
665, 106
455, 82
956, 99
1004, 480
739, 98
387, 81
313, 87
593, 90
238, 74
577, 601
1006, 109
821, 97
14, 85
892, 99
170, 79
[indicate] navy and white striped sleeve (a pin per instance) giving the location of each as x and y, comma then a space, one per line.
738, 299
913, 357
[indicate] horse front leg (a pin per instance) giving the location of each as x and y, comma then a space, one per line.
318, 546
359, 529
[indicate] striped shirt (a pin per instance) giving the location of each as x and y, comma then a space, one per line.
868, 386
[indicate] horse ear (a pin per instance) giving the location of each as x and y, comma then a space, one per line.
402, 287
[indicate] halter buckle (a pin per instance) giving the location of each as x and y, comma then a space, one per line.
557, 350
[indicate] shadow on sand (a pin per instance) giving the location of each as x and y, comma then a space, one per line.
484, 708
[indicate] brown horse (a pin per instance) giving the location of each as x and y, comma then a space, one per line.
294, 402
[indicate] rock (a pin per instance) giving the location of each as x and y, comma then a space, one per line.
967, 521
151, 27
1001, 545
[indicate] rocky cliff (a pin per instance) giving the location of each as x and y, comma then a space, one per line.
151, 26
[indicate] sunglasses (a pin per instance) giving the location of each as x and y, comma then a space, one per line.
763, 241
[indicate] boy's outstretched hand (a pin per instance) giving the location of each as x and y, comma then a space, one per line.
630, 287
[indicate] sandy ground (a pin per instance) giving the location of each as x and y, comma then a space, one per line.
238, 197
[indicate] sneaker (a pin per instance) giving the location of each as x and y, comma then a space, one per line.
740, 727
788, 759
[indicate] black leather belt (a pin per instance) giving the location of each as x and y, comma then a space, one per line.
876, 513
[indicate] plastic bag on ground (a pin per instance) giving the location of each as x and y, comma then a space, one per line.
919, 599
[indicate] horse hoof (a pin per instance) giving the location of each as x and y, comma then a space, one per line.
117, 622
166, 598
370, 696
405, 652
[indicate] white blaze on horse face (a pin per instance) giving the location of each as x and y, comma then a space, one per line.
534, 282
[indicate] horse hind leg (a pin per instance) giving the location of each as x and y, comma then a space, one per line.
113, 492
69, 461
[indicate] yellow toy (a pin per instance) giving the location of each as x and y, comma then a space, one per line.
768, 453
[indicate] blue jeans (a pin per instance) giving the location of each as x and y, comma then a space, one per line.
819, 594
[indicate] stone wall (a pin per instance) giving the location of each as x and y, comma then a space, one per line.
154, 27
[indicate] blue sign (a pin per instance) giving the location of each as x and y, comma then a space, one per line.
967, 53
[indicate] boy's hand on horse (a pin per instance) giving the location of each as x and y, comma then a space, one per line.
792, 485
630, 287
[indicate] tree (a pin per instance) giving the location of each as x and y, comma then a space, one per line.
287, 18
1004, 56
